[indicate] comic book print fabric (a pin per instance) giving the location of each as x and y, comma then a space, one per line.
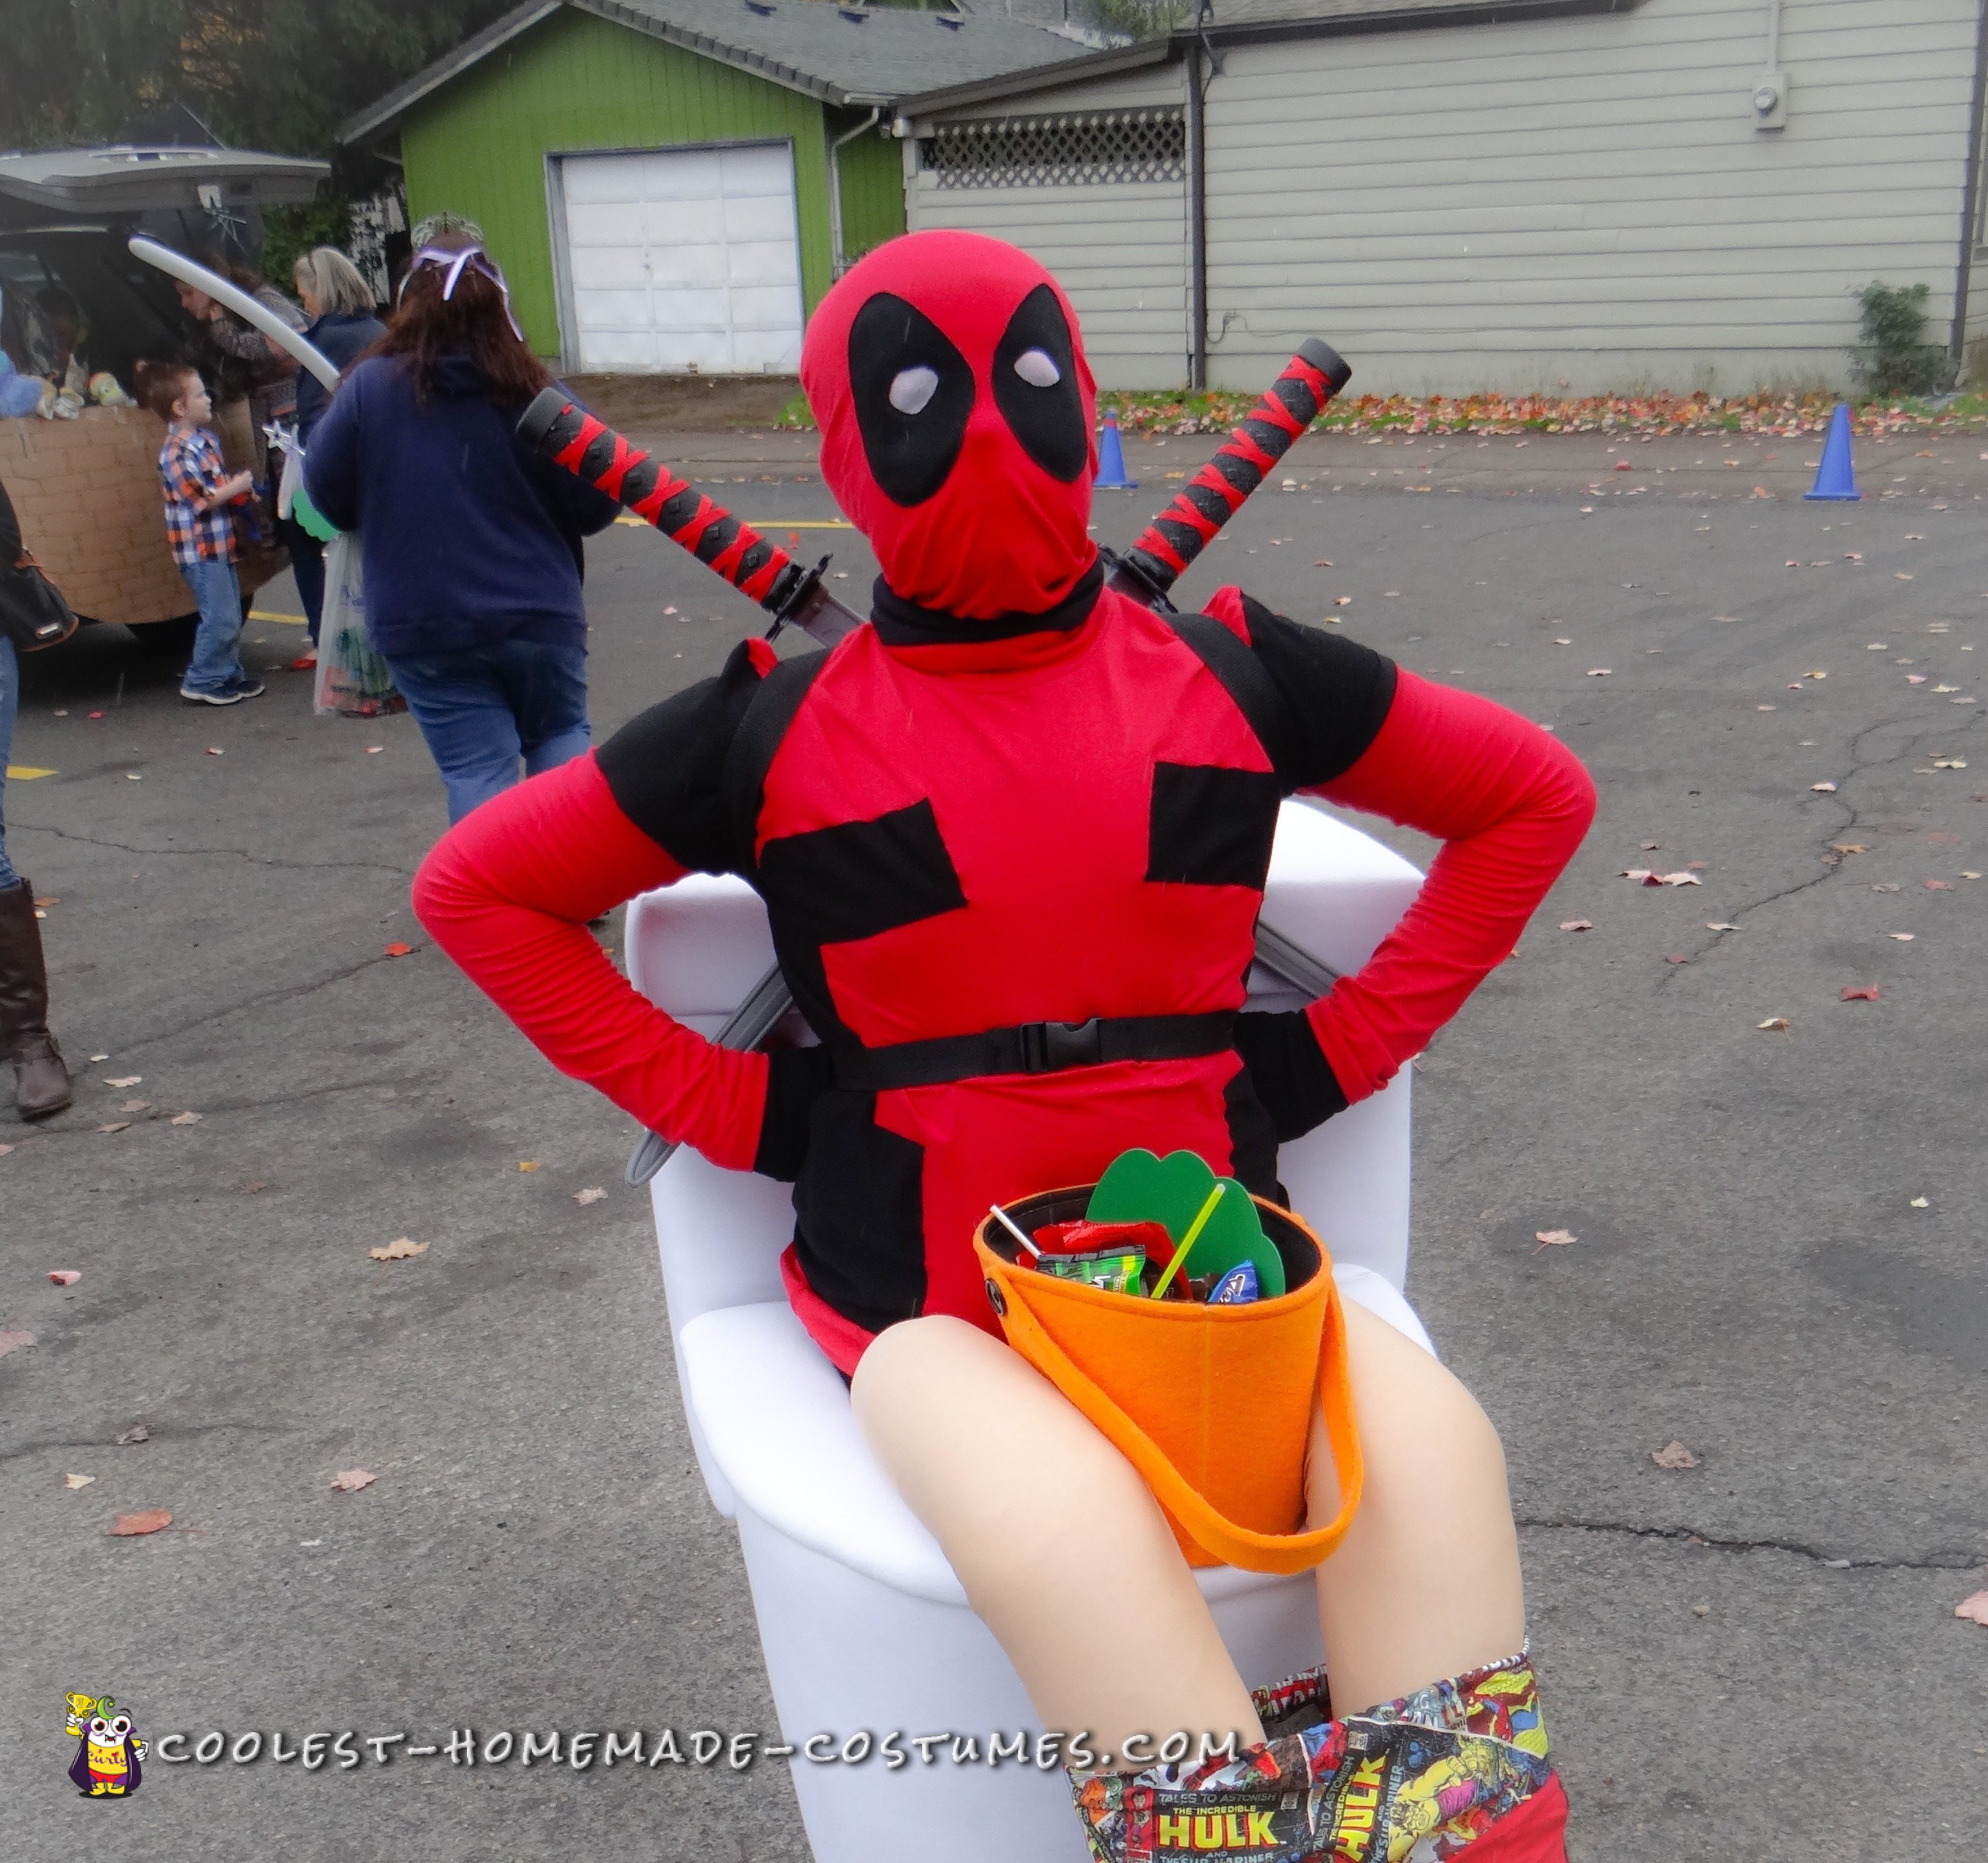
1415, 1780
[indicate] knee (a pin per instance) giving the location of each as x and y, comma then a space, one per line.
908, 1363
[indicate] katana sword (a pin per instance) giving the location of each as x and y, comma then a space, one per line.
794, 595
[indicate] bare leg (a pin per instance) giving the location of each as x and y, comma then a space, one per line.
1064, 1552
1426, 1582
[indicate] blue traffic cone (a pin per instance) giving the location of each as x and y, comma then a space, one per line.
1834, 477
1111, 460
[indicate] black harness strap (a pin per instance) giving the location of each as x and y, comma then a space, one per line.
756, 743
1241, 675
1035, 1047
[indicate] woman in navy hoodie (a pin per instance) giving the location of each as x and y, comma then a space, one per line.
471, 542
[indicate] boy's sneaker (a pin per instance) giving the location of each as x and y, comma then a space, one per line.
246, 688
226, 695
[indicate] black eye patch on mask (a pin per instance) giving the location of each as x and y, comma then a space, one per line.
1048, 422
910, 453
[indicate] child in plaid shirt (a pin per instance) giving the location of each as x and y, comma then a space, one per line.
199, 493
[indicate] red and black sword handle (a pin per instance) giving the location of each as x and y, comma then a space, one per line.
1208, 500
594, 452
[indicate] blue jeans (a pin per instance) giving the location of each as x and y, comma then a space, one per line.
10, 699
307, 569
481, 708
216, 664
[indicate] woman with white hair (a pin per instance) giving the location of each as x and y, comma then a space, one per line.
338, 303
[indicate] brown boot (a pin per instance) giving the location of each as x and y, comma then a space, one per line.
41, 1079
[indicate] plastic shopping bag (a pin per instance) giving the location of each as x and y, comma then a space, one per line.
352, 679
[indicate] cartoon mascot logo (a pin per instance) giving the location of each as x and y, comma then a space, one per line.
107, 1753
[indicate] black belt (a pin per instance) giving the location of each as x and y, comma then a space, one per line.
1035, 1047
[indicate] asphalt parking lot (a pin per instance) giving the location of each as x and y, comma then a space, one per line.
1777, 1257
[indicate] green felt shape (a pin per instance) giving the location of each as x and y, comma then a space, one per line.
313, 519
1138, 1187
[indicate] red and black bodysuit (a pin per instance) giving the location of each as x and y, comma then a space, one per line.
1012, 836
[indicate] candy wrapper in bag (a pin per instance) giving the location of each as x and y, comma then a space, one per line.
352, 679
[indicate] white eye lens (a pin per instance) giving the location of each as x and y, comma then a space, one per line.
99, 1727
119, 1727
1037, 368
912, 388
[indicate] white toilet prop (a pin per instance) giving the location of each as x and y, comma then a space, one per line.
865, 1628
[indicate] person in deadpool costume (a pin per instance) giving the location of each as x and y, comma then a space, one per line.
1012, 836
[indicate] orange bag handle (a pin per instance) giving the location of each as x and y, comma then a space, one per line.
1208, 1528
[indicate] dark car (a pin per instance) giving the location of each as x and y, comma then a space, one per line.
87, 489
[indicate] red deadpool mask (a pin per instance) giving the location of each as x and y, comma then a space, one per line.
956, 411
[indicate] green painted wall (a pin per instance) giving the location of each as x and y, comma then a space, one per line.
578, 83
873, 185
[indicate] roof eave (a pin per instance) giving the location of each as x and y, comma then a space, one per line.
390, 108
1041, 77
1395, 19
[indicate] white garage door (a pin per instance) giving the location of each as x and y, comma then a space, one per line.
683, 259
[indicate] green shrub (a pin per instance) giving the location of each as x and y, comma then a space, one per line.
1893, 356
293, 229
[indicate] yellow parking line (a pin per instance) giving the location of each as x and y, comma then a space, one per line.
26, 773
289, 620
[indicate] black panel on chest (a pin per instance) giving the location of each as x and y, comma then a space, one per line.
857, 879
1212, 826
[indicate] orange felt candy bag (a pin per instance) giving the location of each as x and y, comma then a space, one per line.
1211, 1405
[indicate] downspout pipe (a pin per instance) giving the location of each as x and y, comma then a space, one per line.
838, 256
1970, 211
1197, 217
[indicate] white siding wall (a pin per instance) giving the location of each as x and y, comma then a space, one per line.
1119, 250
1586, 199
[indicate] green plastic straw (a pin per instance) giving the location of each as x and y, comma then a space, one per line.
1187, 1241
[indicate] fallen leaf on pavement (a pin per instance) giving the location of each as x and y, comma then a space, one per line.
1561, 640
1828, 789
1974, 1609
350, 1481
1818, 674
214, 750
1920, 1203
1764, 708
1915, 679
1850, 847
1600, 672
1969, 873
184, 1119
592, 1196
399, 951
1342, 601
1322, 562
1679, 879
4, 1150
1675, 957
249, 1189
1576, 924
116, 1125
1939, 886
1649, 847
14, 1342
1773, 1021
528, 1164
137, 1433
1903, 937
65, 1277
1885, 886
1711, 925
1859, 992
130, 1526
125, 1080
1553, 1239
398, 1251
1674, 1455
73, 1481
135, 1105
1642, 874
